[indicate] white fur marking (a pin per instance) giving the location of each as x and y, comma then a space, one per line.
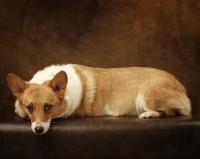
148, 115
73, 92
106, 110
140, 104
45, 125
18, 110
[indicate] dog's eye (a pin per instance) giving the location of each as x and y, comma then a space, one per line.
47, 107
30, 107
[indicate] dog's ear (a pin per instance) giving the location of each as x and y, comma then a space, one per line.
16, 84
59, 82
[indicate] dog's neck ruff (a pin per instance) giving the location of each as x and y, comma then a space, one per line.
73, 93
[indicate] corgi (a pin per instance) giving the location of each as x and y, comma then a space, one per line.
79, 91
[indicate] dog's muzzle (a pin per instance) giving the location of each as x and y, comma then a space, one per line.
39, 129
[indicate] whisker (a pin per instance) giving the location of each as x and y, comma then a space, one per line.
52, 124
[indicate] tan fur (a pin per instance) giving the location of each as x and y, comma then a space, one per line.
146, 92
115, 87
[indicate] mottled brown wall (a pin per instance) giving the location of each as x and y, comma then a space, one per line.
163, 34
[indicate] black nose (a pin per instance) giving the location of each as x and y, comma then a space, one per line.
39, 129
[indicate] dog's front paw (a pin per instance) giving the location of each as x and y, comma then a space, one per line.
149, 115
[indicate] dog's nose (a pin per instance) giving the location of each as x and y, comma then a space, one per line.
39, 129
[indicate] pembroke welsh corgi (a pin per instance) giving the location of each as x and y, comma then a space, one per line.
78, 91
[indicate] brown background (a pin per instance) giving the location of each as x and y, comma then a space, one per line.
101, 33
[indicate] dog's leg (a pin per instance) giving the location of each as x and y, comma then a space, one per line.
149, 115
156, 114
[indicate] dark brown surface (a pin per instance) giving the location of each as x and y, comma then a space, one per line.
103, 137
102, 33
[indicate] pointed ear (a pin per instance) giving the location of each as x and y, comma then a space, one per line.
59, 82
16, 84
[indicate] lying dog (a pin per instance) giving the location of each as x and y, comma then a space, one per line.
79, 91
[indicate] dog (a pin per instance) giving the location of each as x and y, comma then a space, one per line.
79, 91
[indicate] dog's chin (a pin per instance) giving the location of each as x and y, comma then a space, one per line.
39, 127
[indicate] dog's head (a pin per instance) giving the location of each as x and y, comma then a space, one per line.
42, 102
